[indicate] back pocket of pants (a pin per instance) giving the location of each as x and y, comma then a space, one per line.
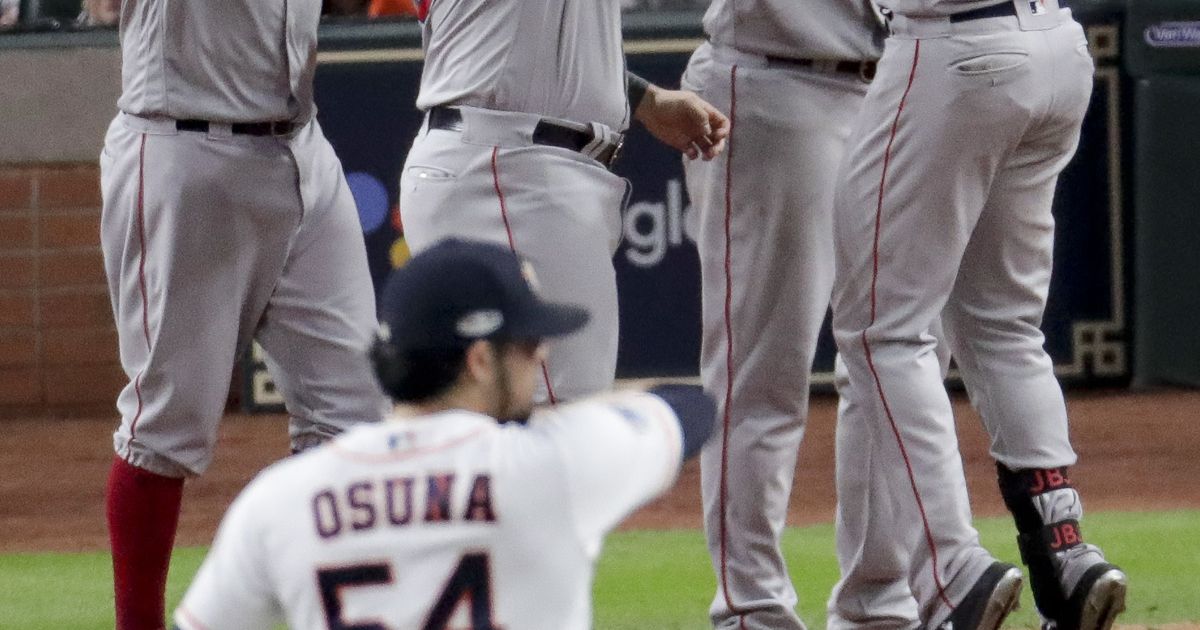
429, 173
990, 63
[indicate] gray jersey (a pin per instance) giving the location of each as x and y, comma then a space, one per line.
559, 58
804, 29
243, 61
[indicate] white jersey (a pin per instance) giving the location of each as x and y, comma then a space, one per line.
446, 521
239, 61
800, 29
556, 58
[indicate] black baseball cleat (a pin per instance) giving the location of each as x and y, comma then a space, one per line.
994, 595
1096, 601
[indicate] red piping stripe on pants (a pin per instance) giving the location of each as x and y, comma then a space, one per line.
729, 373
141, 221
512, 246
887, 155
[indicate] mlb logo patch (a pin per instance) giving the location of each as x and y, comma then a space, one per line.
1037, 15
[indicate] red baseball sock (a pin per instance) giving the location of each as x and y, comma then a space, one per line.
143, 512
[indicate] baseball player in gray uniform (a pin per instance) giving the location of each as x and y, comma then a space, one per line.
943, 208
525, 107
467, 509
226, 218
791, 77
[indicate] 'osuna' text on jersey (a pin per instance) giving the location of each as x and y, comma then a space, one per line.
445, 521
238, 61
558, 58
799, 29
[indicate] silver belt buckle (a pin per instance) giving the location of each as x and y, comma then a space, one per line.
616, 152
600, 144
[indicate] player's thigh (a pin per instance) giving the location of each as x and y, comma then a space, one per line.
1005, 275
550, 204
321, 314
193, 247
217, 219
565, 209
994, 314
779, 210
120, 162
930, 137
556, 208
767, 221
564, 217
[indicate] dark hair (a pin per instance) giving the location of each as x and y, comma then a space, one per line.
415, 376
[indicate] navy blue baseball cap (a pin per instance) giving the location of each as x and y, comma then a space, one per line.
458, 291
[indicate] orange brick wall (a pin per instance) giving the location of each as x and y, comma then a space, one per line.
58, 344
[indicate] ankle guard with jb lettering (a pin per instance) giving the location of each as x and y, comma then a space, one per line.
1046, 509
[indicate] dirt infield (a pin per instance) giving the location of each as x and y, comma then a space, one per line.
1137, 452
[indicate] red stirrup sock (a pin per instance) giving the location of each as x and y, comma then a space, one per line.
143, 512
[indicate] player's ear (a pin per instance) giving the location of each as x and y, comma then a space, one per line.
480, 361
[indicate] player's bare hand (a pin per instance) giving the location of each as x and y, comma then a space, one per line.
683, 120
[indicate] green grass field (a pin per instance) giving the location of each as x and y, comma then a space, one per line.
652, 580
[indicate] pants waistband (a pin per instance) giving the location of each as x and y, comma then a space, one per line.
165, 125
993, 17
267, 128
863, 69
1004, 9
595, 140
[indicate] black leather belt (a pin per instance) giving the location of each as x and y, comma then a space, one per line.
864, 70
545, 133
1004, 9
276, 128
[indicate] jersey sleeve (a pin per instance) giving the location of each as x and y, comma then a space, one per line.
232, 590
618, 452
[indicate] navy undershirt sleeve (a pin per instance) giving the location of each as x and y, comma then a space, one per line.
696, 411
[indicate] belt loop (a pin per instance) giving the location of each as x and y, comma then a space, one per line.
866, 71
